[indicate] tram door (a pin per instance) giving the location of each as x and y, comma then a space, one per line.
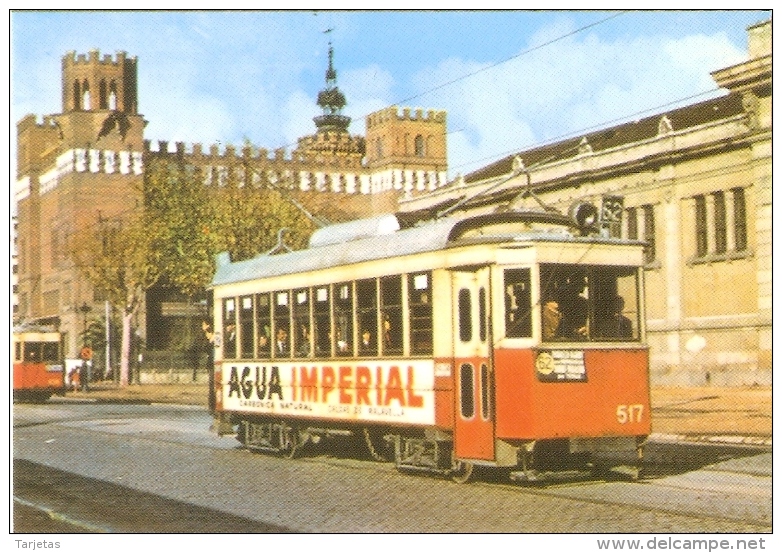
473, 370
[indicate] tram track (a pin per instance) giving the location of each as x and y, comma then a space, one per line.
666, 492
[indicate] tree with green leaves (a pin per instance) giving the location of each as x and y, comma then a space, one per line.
250, 218
238, 212
175, 196
120, 258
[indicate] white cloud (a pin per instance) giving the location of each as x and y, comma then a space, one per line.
569, 85
367, 90
186, 121
298, 112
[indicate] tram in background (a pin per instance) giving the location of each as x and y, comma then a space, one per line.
38, 364
512, 340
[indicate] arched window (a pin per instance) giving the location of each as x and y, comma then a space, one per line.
379, 146
76, 95
419, 146
113, 95
103, 100
85, 95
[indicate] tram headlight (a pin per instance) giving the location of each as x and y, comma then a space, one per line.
585, 215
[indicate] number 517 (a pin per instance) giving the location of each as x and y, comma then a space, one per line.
629, 413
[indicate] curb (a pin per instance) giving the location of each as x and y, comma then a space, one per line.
55, 515
753, 441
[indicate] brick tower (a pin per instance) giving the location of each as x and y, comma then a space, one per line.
73, 169
407, 149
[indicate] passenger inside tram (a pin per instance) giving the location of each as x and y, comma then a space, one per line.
616, 324
303, 341
368, 346
281, 342
551, 319
263, 344
574, 307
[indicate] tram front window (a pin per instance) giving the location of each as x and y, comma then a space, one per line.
589, 303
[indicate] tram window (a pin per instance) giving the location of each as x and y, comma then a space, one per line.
282, 312
465, 315
467, 390
391, 312
18, 351
264, 324
229, 328
420, 303
246, 331
343, 319
518, 303
616, 304
482, 318
485, 392
301, 323
366, 307
322, 320
51, 352
32, 352
589, 303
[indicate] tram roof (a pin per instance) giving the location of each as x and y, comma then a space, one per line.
349, 243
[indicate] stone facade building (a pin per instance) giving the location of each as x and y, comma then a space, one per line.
695, 184
87, 162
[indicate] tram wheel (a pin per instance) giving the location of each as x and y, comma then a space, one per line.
462, 472
378, 449
289, 442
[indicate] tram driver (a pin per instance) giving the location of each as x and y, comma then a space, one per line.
616, 325
552, 318
575, 309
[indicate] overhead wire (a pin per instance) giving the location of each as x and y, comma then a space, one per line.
505, 153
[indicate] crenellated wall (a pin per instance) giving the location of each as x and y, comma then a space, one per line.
257, 167
396, 113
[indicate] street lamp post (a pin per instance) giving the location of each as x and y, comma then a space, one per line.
84, 374
84, 310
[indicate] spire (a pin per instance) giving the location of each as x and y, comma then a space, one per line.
331, 100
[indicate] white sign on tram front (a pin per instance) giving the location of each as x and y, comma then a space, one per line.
392, 391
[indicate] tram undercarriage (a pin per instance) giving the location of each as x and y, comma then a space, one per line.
431, 451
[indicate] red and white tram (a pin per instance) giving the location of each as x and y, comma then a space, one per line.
511, 340
38, 364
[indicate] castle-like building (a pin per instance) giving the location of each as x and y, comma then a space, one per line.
86, 164
694, 183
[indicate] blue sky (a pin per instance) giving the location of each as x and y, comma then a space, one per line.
517, 78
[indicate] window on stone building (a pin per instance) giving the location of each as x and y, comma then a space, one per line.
641, 226
649, 233
720, 225
103, 96
85, 95
739, 219
720, 228
632, 223
419, 146
113, 95
76, 95
701, 230
379, 147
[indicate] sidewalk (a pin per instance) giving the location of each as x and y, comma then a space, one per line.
741, 416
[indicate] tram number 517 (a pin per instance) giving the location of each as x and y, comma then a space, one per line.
629, 413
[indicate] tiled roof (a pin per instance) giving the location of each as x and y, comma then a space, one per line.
626, 133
